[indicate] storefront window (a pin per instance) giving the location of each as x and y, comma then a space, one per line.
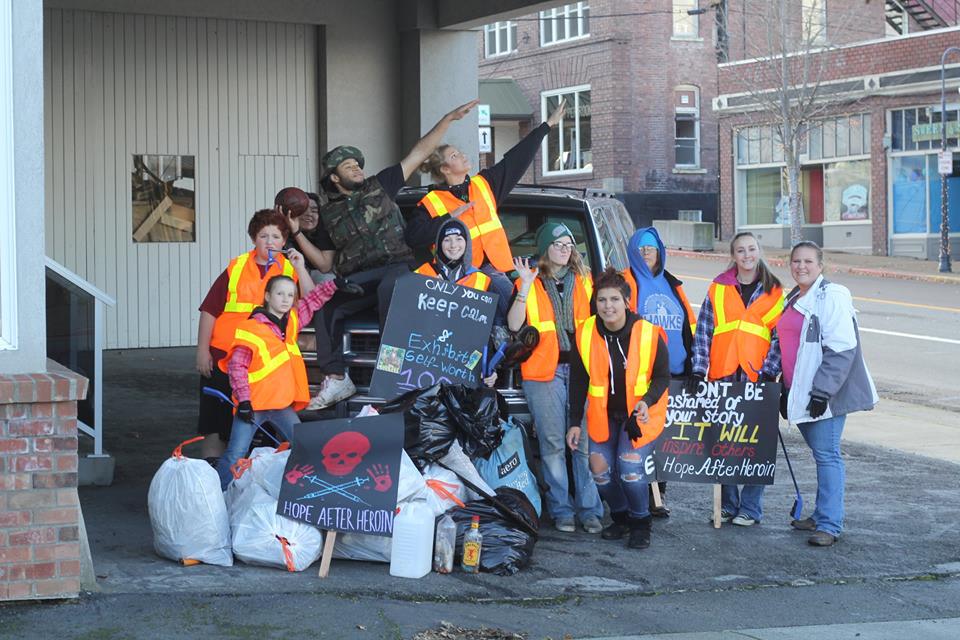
760, 191
909, 194
846, 190
953, 194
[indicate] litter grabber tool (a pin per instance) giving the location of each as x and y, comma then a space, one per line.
489, 366
210, 391
797, 508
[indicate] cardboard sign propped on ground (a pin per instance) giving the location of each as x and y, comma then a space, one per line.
435, 332
725, 434
342, 475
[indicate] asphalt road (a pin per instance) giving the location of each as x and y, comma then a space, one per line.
910, 330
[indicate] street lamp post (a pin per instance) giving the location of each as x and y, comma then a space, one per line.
944, 207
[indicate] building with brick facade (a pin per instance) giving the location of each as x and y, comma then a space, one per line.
639, 77
869, 177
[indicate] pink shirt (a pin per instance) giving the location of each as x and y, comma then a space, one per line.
789, 327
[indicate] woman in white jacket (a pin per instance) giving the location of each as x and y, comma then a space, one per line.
824, 378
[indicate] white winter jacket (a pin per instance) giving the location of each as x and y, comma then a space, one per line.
829, 358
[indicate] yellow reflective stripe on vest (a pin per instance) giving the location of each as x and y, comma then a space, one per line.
485, 228
293, 330
721, 326
438, 206
770, 316
646, 353
232, 305
485, 193
483, 281
719, 315
533, 312
288, 268
586, 338
269, 364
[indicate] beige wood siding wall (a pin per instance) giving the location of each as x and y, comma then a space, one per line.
240, 96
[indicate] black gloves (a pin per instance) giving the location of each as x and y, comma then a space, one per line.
245, 411
817, 406
350, 288
784, 397
692, 383
632, 428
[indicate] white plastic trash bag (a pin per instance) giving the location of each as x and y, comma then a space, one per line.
264, 468
457, 460
187, 511
260, 536
444, 489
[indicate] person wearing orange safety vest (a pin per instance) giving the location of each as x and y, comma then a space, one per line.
230, 300
658, 297
475, 201
622, 374
264, 363
736, 340
554, 298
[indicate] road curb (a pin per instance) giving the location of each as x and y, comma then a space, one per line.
834, 268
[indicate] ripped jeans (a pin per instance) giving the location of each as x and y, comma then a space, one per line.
618, 472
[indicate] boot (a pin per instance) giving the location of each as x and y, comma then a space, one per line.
618, 528
639, 533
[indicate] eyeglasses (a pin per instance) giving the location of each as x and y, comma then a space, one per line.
648, 251
559, 245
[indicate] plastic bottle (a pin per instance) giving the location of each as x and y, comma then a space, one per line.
444, 545
412, 543
472, 542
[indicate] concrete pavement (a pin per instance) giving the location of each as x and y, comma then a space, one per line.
941, 629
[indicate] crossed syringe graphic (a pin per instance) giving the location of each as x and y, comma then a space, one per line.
340, 489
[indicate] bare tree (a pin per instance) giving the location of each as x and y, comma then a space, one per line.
786, 82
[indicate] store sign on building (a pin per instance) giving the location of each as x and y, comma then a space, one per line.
932, 131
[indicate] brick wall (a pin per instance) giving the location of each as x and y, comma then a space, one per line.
39, 510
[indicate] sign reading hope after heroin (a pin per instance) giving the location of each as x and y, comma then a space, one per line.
726, 434
435, 332
342, 475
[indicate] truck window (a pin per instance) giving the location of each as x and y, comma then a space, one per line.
613, 241
521, 228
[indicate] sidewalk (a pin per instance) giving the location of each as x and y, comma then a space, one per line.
942, 629
857, 264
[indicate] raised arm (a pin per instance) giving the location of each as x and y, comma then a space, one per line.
431, 141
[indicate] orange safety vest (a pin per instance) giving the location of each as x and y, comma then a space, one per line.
486, 231
475, 280
245, 289
641, 355
277, 375
741, 336
542, 363
632, 282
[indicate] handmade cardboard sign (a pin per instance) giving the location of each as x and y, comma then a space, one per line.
435, 332
342, 475
726, 434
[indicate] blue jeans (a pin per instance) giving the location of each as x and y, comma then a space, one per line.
241, 436
823, 438
548, 406
747, 501
622, 484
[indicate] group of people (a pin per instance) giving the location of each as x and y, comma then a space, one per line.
597, 379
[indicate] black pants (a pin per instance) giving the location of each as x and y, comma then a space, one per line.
330, 321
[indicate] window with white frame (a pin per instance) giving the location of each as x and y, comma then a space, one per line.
687, 128
569, 22
684, 24
813, 21
8, 231
567, 148
499, 38
897, 22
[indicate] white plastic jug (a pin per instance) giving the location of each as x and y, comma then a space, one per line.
412, 549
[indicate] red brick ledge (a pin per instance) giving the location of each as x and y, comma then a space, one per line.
58, 384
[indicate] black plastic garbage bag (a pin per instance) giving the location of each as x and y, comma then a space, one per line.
429, 429
506, 548
477, 415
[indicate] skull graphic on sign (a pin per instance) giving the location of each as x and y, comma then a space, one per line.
344, 451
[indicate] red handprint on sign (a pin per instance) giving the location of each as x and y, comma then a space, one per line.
298, 472
381, 477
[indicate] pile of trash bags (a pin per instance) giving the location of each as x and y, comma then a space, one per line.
460, 458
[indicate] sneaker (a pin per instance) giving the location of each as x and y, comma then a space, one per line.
331, 392
725, 517
565, 525
822, 539
744, 521
592, 524
807, 524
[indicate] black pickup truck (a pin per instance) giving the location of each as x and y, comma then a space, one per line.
600, 223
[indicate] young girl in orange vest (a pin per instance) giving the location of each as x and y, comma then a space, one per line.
735, 330
622, 374
554, 298
266, 370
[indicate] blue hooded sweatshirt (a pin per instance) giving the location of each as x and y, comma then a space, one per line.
656, 300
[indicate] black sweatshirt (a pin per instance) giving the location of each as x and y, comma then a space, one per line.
503, 177
617, 343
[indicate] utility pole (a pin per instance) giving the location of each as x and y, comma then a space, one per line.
944, 206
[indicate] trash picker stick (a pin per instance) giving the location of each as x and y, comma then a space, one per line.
210, 391
797, 509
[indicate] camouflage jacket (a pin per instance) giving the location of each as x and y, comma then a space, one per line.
366, 227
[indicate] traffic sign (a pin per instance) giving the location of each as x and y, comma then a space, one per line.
945, 163
486, 140
483, 115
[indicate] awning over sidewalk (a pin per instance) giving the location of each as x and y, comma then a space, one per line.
505, 98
